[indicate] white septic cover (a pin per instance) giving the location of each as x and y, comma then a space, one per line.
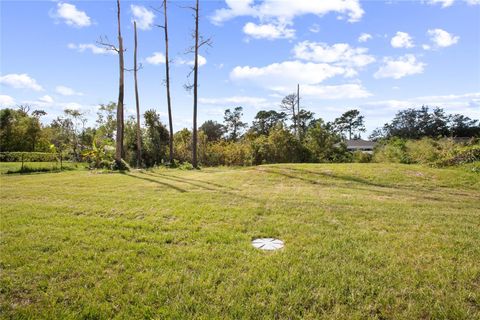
267, 243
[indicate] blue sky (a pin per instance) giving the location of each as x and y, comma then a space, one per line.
377, 56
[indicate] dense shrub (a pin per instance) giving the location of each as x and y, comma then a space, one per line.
393, 150
29, 157
121, 165
227, 153
442, 152
361, 157
462, 155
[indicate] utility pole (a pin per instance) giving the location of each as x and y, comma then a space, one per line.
137, 102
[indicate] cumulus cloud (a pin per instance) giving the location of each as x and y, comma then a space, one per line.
364, 37
69, 14
402, 40
6, 101
268, 31
287, 73
82, 47
441, 38
20, 81
156, 58
286, 11
142, 16
401, 67
201, 61
46, 99
66, 91
340, 54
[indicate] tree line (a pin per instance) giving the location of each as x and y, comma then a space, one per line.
274, 136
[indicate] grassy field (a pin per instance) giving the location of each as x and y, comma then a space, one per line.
361, 241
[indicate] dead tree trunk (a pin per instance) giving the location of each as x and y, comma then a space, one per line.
137, 102
195, 91
298, 110
167, 75
119, 152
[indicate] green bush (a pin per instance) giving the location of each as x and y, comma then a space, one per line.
361, 157
120, 165
29, 156
393, 150
442, 152
462, 155
185, 166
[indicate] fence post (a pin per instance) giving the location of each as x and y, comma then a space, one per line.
22, 162
61, 163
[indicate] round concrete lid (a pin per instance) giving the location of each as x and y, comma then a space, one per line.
267, 244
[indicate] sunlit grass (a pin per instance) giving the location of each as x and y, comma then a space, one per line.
361, 241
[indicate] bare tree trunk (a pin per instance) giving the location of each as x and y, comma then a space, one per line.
294, 119
167, 75
298, 110
195, 91
135, 69
119, 143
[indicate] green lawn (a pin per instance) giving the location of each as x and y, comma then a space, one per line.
361, 241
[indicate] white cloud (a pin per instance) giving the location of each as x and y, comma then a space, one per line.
398, 68
442, 38
364, 37
46, 99
201, 61
268, 31
342, 91
156, 58
71, 15
66, 91
6, 101
235, 100
340, 54
443, 3
448, 3
314, 28
287, 73
402, 40
143, 16
286, 11
20, 81
82, 47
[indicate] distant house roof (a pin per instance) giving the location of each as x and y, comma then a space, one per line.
359, 144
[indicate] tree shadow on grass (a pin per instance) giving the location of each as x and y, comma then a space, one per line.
157, 182
180, 180
190, 182
341, 177
390, 190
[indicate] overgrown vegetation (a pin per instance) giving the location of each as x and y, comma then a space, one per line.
413, 136
440, 152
